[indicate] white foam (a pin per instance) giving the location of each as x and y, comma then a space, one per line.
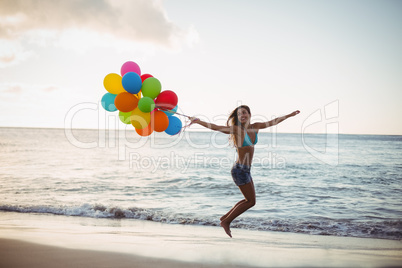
375, 229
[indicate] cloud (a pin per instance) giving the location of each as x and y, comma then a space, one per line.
12, 52
49, 88
7, 58
13, 89
139, 20
20, 88
132, 21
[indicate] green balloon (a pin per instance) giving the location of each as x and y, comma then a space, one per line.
125, 117
151, 87
146, 104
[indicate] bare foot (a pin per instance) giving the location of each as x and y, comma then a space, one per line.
226, 227
223, 217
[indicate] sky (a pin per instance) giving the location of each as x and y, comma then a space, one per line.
338, 62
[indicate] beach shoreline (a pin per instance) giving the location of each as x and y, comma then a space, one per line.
41, 239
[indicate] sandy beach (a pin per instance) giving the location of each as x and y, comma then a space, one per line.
37, 240
20, 254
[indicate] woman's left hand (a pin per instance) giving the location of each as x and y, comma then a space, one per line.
294, 113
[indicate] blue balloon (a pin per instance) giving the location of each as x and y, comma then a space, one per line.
174, 126
108, 102
131, 82
171, 112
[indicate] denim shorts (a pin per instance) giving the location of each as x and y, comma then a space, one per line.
241, 174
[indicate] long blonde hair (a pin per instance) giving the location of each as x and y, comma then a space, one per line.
233, 120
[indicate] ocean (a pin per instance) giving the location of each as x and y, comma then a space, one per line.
336, 185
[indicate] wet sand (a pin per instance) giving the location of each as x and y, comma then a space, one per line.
29, 240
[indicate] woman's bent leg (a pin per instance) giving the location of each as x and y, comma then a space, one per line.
249, 201
230, 211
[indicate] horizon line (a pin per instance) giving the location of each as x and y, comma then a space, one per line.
206, 130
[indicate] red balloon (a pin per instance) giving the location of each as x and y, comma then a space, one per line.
145, 76
166, 100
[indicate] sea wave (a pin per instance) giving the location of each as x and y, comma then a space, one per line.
389, 229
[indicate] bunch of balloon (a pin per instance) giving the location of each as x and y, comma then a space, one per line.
140, 101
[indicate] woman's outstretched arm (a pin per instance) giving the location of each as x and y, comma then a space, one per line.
223, 129
274, 122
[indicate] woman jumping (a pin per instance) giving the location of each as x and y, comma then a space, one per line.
244, 136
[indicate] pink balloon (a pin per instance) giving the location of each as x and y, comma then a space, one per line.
130, 66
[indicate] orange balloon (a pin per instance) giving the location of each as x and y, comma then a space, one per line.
145, 131
159, 121
140, 119
126, 102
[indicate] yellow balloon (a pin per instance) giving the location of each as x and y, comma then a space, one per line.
138, 95
140, 119
112, 83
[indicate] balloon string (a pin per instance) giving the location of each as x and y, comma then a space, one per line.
166, 110
183, 128
182, 115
